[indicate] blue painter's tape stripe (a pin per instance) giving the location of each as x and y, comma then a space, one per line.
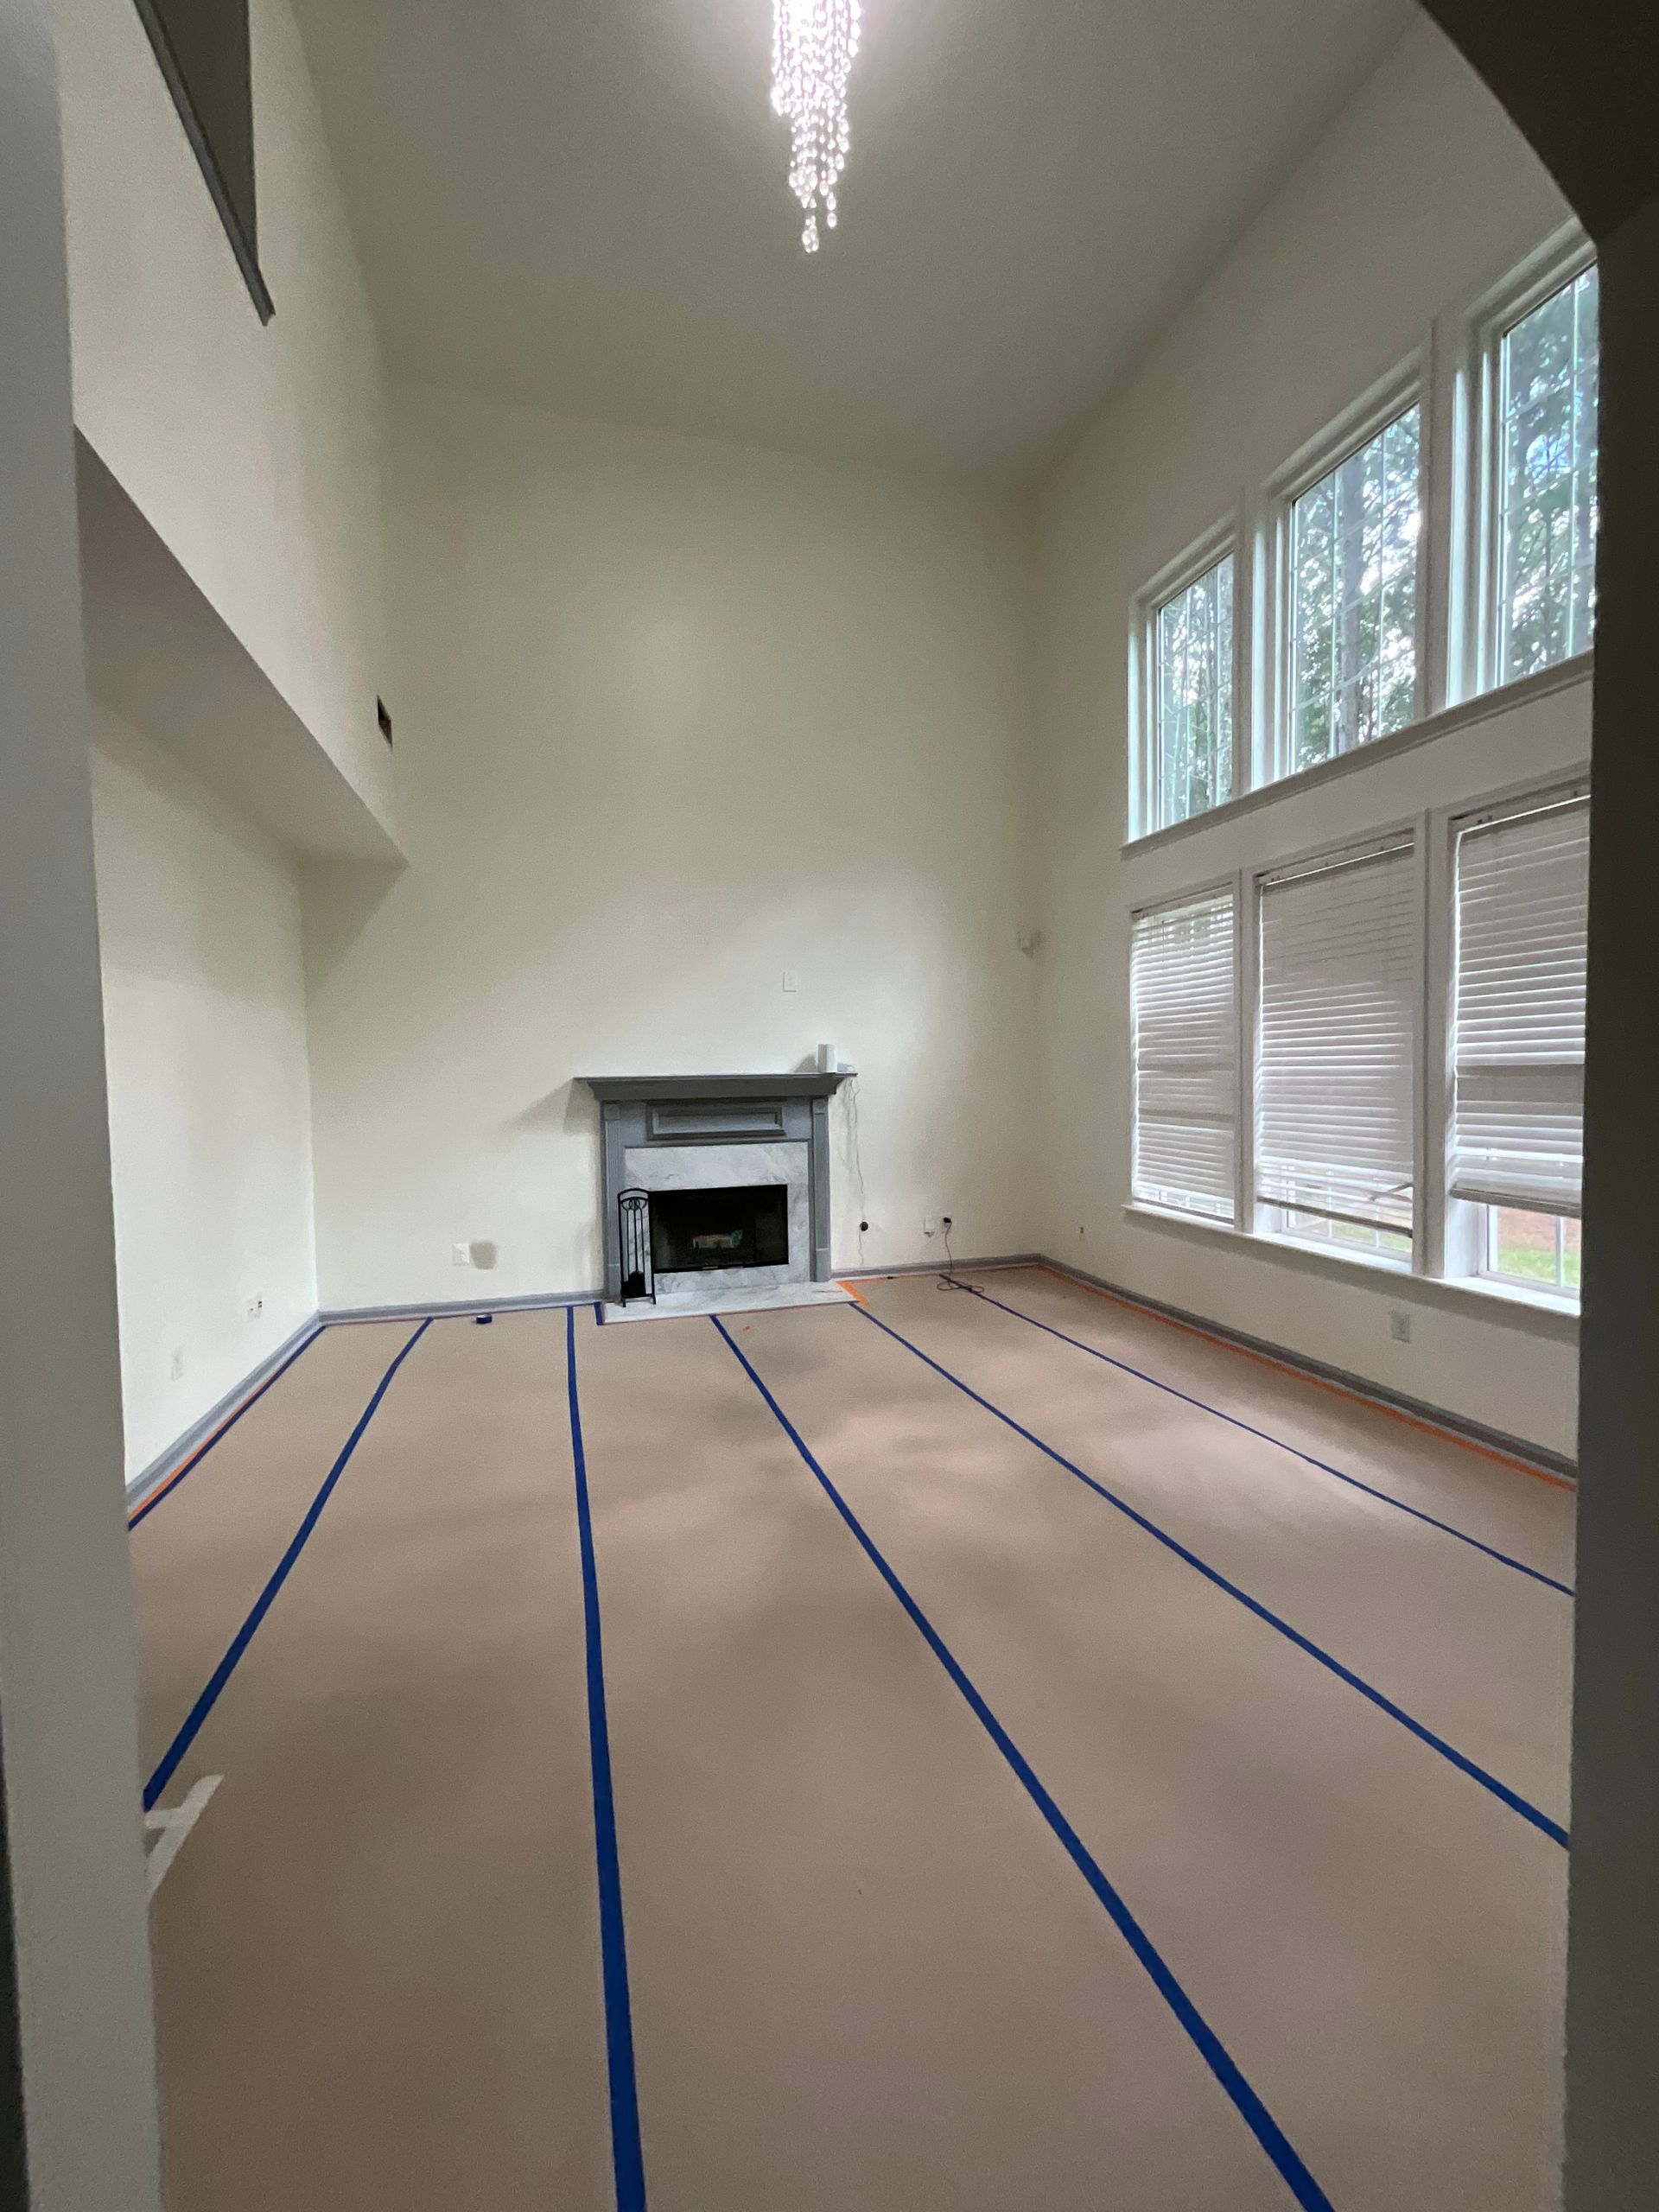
166, 1488
627, 2154
1501, 1790
227, 1666
1250, 2107
1233, 1421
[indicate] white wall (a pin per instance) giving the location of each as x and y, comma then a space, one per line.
676, 718
210, 1119
78, 2118
1420, 197
253, 451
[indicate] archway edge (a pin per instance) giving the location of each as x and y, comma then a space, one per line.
1578, 83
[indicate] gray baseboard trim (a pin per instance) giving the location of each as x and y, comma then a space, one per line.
1473, 1431
934, 1267
451, 1308
152, 1477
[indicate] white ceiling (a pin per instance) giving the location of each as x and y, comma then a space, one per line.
583, 203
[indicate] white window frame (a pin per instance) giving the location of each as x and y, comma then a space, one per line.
1260, 1215
1226, 536
1526, 1284
1454, 1244
1447, 1243
1214, 886
1408, 384
1477, 550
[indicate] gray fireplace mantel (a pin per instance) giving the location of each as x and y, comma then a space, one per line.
812, 1084
642, 1115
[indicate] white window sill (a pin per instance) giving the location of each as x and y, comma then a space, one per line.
1498, 701
1540, 1311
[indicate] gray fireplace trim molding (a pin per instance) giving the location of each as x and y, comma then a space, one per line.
680, 1110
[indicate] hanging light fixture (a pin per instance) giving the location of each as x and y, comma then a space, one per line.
813, 42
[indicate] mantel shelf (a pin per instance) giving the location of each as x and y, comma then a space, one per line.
814, 1083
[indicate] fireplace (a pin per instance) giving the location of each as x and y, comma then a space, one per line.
745, 1227
736, 1169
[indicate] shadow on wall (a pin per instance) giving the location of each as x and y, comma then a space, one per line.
571, 1110
338, 900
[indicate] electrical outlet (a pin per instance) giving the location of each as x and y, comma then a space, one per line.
461, 1254
930, 1224
256, 1308
1400, 1326
792, 981
178, 1363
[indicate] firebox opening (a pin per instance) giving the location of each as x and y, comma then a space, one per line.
738, 1228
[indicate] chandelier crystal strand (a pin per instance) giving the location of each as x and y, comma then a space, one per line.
813, 42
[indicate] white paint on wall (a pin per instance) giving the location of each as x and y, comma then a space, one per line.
79, 2100
253, 451
209, 1096
677, 720
1420, 197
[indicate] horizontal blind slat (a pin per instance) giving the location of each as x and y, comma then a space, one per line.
1336, 1046
1184, 1031
1522, 911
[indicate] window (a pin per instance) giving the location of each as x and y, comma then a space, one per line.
1184, 1045
1373, 1022
1192, 697
1522, 898
1530, 1249
1547, 391
202, 49
1352, 585
1340, 971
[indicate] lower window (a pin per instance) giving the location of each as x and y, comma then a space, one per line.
1346, 1235
1535, 1248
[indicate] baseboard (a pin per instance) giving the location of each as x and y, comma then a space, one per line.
934, 1267
152, 1477
453, 1308
537, 1301
1474, 1432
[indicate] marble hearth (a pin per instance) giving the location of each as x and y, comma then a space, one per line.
718, 1132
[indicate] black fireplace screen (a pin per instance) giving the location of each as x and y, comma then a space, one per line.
744, 1228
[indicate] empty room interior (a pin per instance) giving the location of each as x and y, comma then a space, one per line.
837, 770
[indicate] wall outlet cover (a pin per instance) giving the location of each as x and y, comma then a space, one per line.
461, 1254
178, 1363
1400, 1326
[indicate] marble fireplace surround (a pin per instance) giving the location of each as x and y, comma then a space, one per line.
711, 1132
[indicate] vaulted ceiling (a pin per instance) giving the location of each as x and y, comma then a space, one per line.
581, 203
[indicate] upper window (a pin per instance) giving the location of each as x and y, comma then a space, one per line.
202, 47
1192, 697
1352, 610
1183, 1048
1546, 480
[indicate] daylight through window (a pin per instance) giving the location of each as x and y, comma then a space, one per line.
1548, 391
1353, 598
1193, 681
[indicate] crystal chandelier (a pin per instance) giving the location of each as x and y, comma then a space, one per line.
813, 42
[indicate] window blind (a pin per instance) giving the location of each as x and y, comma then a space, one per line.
1184, 1026
1336, 1040
1521, 921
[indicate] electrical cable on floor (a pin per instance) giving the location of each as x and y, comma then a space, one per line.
948, 1281
852, 1157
